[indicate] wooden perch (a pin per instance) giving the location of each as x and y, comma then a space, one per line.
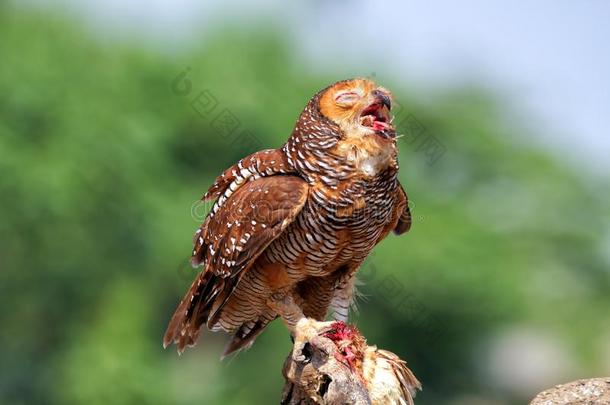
340, 368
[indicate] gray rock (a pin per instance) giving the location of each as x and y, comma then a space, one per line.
595, 391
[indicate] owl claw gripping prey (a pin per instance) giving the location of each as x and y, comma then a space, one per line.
308, 331
291, 226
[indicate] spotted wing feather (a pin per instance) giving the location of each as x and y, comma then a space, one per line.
250, 219
260, 164
263, 163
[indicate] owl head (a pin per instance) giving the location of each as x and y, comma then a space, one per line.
359, 107
346, 124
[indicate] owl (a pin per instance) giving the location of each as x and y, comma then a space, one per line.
290, 227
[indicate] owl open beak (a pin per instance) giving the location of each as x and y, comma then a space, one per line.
377, 117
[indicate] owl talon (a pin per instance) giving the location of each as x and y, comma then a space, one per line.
307, 334
302, 353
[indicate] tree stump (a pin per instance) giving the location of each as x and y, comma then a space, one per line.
321, 379
339, 368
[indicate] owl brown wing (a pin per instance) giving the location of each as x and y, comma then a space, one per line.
248, 221
228, 243
402, 212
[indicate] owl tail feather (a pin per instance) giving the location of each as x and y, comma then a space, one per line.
193, 311
246, 335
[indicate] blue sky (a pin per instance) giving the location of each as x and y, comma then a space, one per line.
550, 58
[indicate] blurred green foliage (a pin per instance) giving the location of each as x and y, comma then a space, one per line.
100, 164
